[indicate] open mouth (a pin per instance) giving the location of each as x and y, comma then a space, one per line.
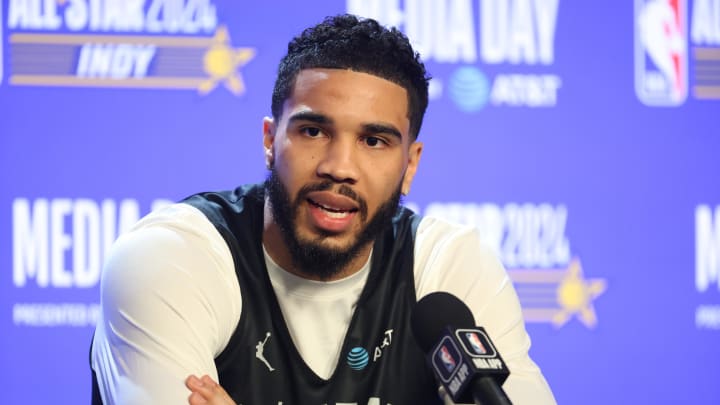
333, 212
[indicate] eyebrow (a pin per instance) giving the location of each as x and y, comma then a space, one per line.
310, 116
321, 119
381, 129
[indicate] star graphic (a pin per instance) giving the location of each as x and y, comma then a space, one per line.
575, 296
221, 62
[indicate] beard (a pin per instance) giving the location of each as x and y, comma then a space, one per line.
310, 255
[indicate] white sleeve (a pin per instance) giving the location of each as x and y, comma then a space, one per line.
453, 259
170, 302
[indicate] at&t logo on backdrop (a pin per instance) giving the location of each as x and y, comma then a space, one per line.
514, 37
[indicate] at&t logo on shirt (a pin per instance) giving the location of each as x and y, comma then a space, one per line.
358, 358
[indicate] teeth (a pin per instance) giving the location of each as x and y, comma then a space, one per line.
332, 213
328, 208
336, 215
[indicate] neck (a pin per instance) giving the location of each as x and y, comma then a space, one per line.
277, 249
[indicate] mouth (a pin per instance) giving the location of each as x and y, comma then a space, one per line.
334, 211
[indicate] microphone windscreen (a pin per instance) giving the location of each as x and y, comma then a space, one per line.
433, 313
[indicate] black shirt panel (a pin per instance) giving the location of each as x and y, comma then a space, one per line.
380, 362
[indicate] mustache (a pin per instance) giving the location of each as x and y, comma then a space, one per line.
343, 190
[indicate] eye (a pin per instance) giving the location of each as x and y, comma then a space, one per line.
311, 131
374, 142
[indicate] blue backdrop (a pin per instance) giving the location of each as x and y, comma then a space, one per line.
581, 138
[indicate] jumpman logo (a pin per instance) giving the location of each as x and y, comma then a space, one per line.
259, 351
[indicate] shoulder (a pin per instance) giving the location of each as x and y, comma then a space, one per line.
174, 233
453, 255
453, 258
433, 230
169, 304
170, 256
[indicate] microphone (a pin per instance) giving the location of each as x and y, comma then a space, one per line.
461, 355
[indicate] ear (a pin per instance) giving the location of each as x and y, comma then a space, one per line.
269, 140
414, 154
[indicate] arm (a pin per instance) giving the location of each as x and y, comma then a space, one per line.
170, 302
453, 259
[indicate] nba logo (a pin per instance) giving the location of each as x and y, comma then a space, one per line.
475, 342
447, 359
661, 57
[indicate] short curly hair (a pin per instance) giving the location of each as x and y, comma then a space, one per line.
362, 45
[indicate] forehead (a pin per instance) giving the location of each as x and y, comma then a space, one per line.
349, 94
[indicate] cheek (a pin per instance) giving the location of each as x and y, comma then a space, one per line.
295, 170
384, 183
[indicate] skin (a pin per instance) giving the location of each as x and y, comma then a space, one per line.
350, 128
204, 391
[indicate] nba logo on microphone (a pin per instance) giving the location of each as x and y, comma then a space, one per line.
661, 57
447, 359
477, 346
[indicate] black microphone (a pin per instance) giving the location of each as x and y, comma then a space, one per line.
461, 355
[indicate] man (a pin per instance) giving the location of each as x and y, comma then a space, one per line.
299, 291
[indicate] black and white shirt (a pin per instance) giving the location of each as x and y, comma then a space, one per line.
178, 299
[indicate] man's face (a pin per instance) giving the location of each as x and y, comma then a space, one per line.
340, 155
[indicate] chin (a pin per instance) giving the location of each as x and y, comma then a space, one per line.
338, 243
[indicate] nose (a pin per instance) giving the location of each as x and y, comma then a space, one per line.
339, 162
